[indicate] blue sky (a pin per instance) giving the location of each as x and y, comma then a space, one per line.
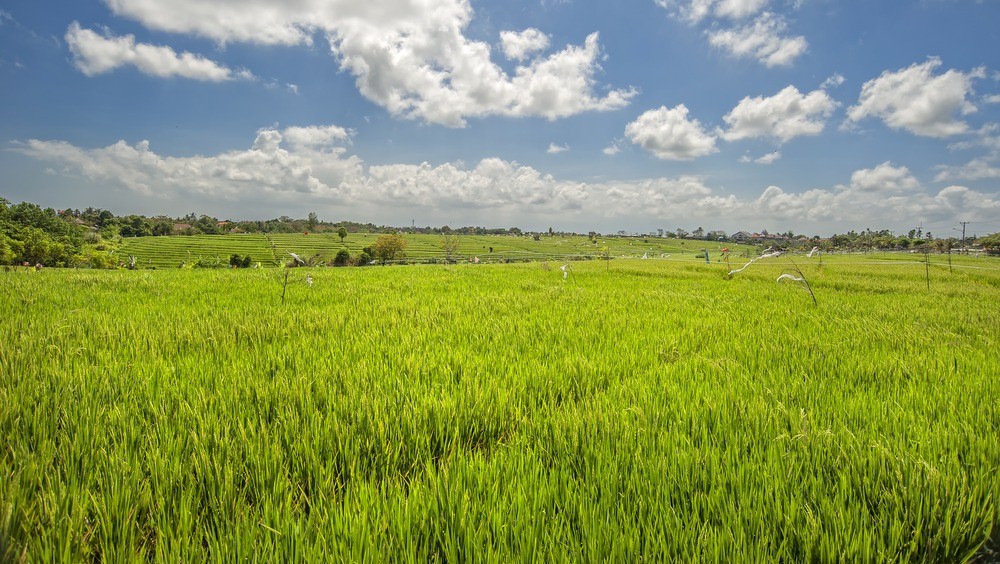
815, 116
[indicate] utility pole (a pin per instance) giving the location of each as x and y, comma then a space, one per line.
964, 223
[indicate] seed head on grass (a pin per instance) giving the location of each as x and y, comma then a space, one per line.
800, 278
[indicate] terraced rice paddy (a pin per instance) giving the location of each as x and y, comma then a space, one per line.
636, 410
272, 249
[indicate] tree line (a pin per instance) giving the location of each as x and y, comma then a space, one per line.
30, 234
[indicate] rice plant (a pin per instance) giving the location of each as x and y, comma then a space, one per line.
651, 411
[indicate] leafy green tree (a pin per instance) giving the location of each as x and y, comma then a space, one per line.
39, 248
367, 256
237, 261
389, 247
7, 254
135, 226
343, 257
30, 215
104, 217
207, 225
95, 259
342, 233
313, 221
991, 242
35, 246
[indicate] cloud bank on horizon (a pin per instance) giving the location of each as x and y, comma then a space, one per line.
786, 115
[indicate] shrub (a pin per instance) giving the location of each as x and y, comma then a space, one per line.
343, 258
236, 261
389, 247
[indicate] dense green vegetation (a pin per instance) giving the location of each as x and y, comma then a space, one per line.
30, 234
636, 409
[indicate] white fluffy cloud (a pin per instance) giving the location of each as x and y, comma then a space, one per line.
251, 21
763, 159
409, 56
738, 8
901, 200
556, 149
883, 195
976, 169
784, 116
309, 168
669, 134
518, 45
914, 99
492, 184
696, 10
265, 172
768, 158
765, 40
818, 206
833, 81
94, 53
307, 164
883, 179
316, 137
561, 85
683, 197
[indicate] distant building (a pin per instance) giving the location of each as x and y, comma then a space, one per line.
741, 236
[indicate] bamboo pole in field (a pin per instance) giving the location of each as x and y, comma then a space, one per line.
927, 268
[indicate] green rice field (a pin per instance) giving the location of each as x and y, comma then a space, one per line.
633, 410
272, 249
